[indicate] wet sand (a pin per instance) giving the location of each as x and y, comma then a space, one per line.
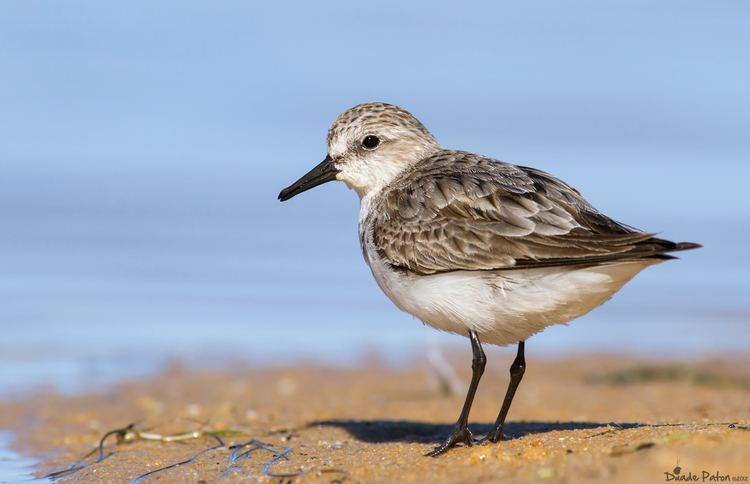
573, 420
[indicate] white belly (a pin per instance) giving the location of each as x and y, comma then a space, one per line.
503, 307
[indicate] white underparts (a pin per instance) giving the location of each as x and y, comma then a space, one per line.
504, 306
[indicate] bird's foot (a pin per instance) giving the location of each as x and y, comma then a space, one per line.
459, 435
496, 435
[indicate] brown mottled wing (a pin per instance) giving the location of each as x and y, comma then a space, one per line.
460, 211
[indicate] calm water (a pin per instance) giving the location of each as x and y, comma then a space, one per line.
143, 149
13, 466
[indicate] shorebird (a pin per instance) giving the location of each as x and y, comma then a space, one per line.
472, 245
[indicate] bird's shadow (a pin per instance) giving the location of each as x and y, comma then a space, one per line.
384, 431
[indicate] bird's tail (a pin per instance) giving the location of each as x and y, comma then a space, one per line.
662, 247
685, 246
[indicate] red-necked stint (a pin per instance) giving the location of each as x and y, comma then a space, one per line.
472, 245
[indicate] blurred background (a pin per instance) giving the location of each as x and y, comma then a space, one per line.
143, 145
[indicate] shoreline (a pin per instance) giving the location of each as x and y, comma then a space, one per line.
577, 418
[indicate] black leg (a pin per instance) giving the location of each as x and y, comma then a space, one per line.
460, 433
516, 373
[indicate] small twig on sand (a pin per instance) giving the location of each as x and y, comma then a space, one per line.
121, 435
241, 451
190, 460
131, 434
442, 373
75, 467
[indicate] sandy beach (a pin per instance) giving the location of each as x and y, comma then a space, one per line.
574, 420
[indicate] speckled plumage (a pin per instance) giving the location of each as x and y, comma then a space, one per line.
466, 242
461, 211
463, 241
472, 245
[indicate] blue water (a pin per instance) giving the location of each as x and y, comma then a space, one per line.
13, 466
143, 146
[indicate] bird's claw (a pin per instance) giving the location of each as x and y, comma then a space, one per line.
460, 435
496, 435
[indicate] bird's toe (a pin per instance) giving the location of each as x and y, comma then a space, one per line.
460, 435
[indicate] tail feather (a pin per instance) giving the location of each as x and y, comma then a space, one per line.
662, 245
686, 246
655, 248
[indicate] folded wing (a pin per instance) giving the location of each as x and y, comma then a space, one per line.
461, 211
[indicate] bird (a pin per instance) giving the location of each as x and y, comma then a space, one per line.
475, 246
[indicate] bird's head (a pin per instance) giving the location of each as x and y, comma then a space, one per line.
368, 146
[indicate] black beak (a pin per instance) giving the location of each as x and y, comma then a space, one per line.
322, 173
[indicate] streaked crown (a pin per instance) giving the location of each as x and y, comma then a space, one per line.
373, 142
376, 116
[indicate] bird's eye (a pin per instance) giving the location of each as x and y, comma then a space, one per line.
370, 142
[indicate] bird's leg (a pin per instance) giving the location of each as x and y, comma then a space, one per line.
516, 373
460, 433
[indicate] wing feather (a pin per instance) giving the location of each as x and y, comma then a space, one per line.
461, 211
